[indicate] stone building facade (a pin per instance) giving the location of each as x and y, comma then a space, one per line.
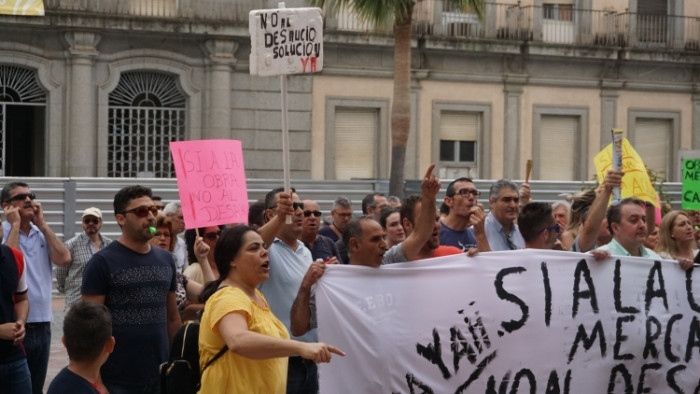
99, 88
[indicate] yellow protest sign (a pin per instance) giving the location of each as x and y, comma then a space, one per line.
22, 7
635, 182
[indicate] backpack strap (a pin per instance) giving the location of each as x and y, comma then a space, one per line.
216, 357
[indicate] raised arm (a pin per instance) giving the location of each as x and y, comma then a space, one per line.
425, 222
477, 219
201, 251
301, 308
58, 253
269, 231
596, 213
12, 215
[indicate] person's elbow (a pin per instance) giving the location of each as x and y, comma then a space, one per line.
62, 259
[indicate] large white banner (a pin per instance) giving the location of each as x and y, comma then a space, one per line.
512, 322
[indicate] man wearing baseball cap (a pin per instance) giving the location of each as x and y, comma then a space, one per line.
81, 247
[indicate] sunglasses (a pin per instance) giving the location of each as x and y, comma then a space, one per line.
315, 213
211, 236
143, 211
22, 197
466, 191
298, 205
89, 220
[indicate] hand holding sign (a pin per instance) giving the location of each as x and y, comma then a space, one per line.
211, 181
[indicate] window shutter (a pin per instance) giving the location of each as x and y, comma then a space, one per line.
558, 147
459, 126
652, 140
355, 143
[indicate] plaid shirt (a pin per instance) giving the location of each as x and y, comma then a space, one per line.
70, 278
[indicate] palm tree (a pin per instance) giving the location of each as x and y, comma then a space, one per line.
399, 14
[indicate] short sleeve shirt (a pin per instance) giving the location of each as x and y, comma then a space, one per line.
287, 269
136, 287
67, 382
464, 239
38, 272
233, 373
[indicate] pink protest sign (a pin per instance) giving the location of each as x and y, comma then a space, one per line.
211, 181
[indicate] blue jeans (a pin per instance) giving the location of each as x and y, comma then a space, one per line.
302, 376
37, 344
15, 377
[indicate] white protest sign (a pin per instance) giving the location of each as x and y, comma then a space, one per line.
286, 41
512, 322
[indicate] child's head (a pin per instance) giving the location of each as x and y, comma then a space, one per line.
87, 332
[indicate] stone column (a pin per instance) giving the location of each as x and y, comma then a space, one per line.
217, 121
608, 110
82, 101
513, 90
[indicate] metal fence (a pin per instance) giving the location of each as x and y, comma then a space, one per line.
64, 199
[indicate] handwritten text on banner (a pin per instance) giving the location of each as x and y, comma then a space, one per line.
512, 322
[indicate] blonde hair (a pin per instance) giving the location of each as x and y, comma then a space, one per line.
666, 242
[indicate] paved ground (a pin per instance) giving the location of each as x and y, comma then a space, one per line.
58, 358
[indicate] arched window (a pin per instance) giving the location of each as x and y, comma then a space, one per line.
146, 112
22, 122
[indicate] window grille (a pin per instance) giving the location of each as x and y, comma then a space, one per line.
146, 112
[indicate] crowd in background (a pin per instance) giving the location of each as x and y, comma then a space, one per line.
250, 286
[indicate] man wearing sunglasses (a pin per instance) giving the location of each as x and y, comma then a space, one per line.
537, 226
289, 262
27, 230
137, 283
81, 247
321, 247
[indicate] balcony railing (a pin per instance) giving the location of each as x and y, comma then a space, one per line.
567, 26
231, 11
563, 25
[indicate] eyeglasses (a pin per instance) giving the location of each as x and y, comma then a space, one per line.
22, 197
466, 191
298, 205
89, 220
315, 213
143, 211
213, 236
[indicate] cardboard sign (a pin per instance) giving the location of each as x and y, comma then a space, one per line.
635, 182
527, 321
690, 188
22, 7
286, 41
211, 182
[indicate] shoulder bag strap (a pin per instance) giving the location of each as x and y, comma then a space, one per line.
216, 357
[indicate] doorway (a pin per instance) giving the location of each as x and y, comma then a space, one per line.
22, 122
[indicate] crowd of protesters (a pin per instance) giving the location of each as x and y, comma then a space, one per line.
251, 285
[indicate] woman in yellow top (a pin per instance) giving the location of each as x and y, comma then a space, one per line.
236, 314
